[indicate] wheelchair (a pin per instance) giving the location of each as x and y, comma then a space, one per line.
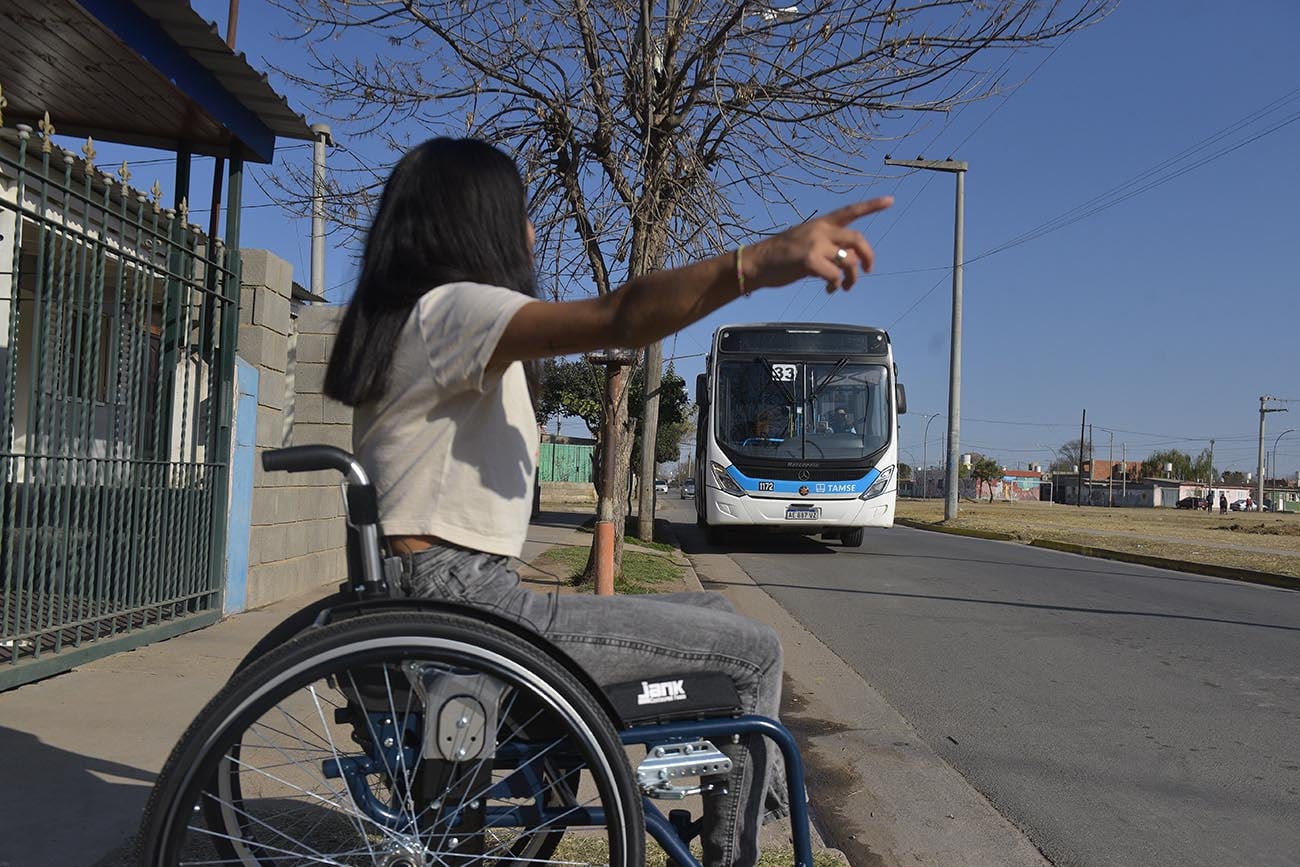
375, 729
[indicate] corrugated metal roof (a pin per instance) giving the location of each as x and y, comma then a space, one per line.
232, 69
76, 61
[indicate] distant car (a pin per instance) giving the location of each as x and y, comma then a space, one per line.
1243, 506
1192, 503
688, 488
661, 486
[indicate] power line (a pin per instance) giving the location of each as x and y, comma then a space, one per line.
930, 176
1146, 180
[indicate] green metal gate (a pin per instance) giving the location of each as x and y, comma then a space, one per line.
118, 323
565, 462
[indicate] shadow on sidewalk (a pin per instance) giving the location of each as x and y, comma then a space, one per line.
563, 520
64, 805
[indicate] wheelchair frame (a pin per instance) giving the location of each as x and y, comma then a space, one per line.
373, 576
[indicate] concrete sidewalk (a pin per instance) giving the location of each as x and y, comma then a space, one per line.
79, 751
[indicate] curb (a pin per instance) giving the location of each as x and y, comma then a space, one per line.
1249, 576
682, 559
955, 531
878, 795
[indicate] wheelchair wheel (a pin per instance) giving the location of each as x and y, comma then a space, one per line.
402, 740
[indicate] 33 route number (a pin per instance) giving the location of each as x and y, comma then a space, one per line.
784, 372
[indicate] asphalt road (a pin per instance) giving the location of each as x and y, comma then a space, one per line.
1119, 715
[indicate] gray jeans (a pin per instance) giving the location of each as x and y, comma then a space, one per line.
625, 638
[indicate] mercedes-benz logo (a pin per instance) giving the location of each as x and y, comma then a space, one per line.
803, 476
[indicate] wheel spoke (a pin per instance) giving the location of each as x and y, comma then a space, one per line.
292, 788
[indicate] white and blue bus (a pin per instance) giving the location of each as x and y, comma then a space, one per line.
798, 430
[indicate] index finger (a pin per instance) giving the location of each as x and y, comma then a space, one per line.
847, 214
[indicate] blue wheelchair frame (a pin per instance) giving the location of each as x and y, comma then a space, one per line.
673, 833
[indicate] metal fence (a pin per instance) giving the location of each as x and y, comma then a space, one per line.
117, 332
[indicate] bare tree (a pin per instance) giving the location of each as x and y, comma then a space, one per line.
647, 131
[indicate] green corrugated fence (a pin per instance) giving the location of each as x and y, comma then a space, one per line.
566, 462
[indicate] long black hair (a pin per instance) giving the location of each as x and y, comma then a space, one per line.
452, 210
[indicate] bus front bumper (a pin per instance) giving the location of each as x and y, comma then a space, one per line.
773, 513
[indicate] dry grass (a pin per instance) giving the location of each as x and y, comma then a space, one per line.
1263, 542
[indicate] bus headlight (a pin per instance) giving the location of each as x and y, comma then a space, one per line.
725, 481
879, 486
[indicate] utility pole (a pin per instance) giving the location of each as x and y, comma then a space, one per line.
957, 167
321, 132
1264, 409
1110, 482
1211, 461
654, 361
1123, 484
1078, 501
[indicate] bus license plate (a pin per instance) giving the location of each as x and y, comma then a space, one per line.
802, 514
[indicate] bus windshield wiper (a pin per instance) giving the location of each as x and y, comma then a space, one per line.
830, 377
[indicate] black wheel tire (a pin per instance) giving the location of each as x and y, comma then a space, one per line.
293, 626
853, 538
187, 778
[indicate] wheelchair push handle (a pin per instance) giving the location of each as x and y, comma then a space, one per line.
361, 507
314, 458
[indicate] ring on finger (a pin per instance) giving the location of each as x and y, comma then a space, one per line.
841, 255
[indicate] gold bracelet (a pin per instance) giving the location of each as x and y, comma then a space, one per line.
740, 273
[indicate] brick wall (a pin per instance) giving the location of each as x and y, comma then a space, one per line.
296, 537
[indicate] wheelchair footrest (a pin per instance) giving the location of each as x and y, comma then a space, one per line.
665, 763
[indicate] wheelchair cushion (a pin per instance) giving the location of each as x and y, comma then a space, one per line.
693, 695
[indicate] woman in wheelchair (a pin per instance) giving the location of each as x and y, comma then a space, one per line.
472, 720
436, 353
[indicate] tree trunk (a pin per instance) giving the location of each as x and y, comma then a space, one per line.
616, 451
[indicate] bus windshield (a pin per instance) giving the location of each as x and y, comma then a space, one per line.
828, 409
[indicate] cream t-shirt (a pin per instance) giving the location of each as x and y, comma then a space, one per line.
450, 447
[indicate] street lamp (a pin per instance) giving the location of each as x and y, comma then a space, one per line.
1273, 464
957, 167
925, 455
1051, 456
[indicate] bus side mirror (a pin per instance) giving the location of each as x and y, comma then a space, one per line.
901, 398
702, 389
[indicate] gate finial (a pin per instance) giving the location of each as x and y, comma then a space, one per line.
89, 150
4, 103
47, 130
124, 173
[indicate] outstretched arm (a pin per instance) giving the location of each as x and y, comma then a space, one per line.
653, 306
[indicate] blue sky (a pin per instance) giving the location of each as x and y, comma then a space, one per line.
1166, 315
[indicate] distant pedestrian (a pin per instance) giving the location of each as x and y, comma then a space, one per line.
1209, 501
1223, 503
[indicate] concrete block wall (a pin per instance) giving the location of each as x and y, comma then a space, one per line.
296, 537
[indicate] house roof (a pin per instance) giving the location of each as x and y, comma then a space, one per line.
299, 292
141, 72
